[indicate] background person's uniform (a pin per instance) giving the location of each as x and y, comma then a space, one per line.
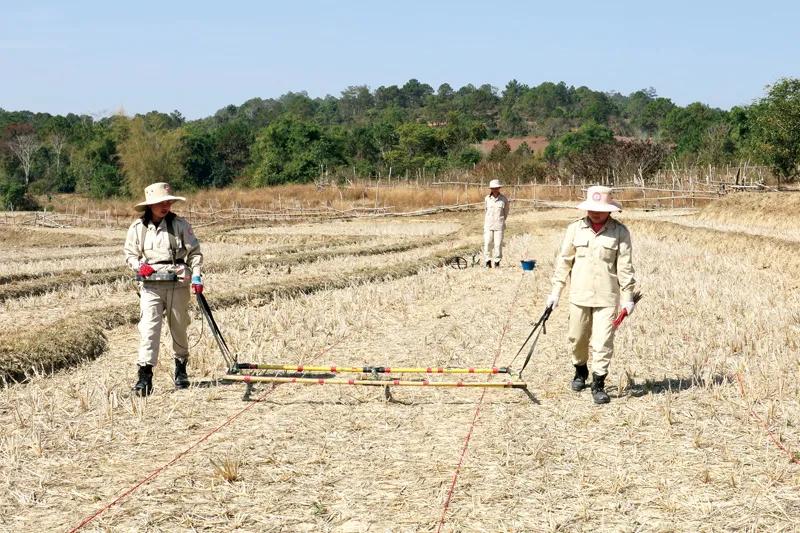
494, 224
152, 244
602, 276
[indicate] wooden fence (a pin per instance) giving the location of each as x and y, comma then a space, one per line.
687, 193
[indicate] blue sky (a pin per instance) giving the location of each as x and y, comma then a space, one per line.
95, 57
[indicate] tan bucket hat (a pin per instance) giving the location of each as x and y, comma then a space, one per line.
157, 193
495, 184
598, 198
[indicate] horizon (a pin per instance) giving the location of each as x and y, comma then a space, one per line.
93, 59
105, 113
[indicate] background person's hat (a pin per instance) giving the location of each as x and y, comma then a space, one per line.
494, 184
598, 198
157, 193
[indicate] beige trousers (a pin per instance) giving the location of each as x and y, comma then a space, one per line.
492, 241
591, 327
157, 301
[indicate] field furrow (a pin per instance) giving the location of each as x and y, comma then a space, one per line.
700, 435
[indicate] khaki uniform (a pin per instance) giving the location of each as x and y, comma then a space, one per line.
151, 244
601, 270
494, 225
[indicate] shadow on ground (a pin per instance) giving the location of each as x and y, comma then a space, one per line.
673, 385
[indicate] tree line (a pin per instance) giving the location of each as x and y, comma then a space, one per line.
393, 131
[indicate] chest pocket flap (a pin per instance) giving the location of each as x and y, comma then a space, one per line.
608, 249
581, 244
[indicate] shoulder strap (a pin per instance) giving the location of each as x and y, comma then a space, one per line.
173, 242
142, 233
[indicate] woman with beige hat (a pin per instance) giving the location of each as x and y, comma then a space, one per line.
596, 254
494, 224
163, 251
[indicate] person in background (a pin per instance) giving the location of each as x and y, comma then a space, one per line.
596, 254
494, 224
165, 254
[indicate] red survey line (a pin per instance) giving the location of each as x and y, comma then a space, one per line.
793, 457
155, 473
477, 413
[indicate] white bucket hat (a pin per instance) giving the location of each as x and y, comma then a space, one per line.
598, 198
494, 184
157, 193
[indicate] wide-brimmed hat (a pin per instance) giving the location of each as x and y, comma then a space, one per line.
598, 198
494, 184
157, 193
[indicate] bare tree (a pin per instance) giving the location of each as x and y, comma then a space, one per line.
24, 147
638, 160
57, 142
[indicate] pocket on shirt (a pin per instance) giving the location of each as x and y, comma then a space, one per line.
608, 250
581, 244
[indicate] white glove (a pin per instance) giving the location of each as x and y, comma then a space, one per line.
628, 307
552, 300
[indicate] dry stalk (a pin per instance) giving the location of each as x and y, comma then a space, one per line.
228, 468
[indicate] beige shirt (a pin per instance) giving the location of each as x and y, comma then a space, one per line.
496, 212
600, 265
156, 246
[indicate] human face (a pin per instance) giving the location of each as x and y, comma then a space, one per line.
494, 192
597, 217
160, 210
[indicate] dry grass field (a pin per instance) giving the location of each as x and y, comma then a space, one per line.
702, 432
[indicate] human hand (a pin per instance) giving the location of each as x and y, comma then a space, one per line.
628, 307
552, 300
145, 270
197, 285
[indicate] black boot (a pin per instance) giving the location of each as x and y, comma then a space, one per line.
488, 264
579, 381
181, 379
144, 387
598, 389
497, 264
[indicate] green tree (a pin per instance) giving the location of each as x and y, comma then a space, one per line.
653, 115
150, 154
593, 105
355, 102
14, 195
232, 143
95, 167
293, 150
468, 157
688, 126
415, 93
586, 137
776, 127
585, 152
198, 150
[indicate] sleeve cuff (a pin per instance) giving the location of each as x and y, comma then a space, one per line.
626, 297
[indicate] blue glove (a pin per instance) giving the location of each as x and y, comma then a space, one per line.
197, 285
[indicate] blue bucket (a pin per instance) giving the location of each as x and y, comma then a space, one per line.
528, 264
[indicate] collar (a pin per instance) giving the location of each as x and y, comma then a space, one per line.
586, 223
160, 225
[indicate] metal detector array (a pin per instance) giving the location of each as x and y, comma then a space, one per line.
461, 262
371, 376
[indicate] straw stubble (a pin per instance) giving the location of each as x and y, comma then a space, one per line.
677, 448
